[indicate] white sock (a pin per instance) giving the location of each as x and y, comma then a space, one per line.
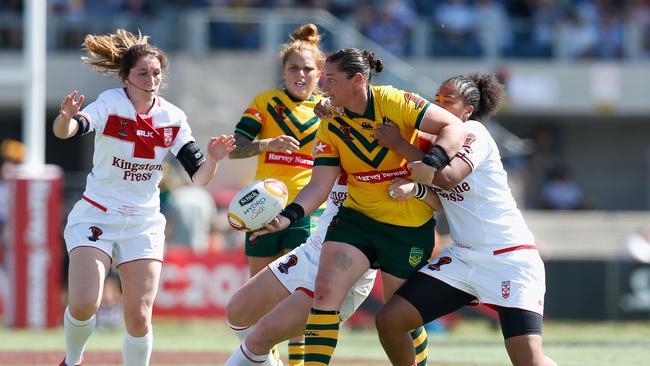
244, 357
76, 334
136, 351
241, 332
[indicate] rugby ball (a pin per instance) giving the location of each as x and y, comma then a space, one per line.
257, 204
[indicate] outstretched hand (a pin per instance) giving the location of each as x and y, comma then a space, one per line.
70, 106
220, 147
277, 224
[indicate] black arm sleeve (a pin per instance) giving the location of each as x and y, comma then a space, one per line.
191, 157
83, 125
436, 158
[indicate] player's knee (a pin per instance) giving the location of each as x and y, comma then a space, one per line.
83, 310
323, 289
385, 321
260, 338
236, 311
137, 322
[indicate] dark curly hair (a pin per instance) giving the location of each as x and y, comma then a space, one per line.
483, 91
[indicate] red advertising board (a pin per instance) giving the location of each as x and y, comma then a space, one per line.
199, 285
32, 260
194, 285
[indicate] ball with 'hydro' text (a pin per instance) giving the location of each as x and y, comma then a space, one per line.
257, 204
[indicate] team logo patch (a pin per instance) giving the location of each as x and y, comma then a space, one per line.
415, 257
441, 262
279, 111
347, 132
292, 261
168, 136
417, 100
505, 289
95, 233
122, 131
469, 140
366, 126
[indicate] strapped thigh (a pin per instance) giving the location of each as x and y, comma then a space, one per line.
516, 322
432, 297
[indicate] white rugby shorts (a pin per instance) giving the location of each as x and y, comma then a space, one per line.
512, 277
297, 271
122, 237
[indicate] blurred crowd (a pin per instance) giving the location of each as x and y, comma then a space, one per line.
571, 29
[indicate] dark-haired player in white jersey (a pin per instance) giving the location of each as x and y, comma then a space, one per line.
118, 218
493, 258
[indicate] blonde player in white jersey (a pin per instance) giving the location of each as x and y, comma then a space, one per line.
492, 259
273, 306
118, 219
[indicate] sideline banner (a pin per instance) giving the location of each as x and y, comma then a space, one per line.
199, 285
193, 285
33, 257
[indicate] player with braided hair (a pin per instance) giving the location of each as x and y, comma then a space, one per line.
118, 218
492, 258
366, 231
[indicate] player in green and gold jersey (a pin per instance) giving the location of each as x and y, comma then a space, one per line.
371, 228
279, 126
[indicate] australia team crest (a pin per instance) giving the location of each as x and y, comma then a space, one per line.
415, 257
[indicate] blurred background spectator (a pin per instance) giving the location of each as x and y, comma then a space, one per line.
561, 192
637, 245
191, 213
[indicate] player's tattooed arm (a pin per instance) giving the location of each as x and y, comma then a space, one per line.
245, 147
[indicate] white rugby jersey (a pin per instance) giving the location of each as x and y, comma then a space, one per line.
129, 151
481, 210
337, 195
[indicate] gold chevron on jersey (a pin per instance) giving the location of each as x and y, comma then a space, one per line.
273, 113
304, 131
368, 151
348, 140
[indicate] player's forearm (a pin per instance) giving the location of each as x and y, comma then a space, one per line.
63, 128
246, 147
432, 200
451, 138
206, 171
409, 152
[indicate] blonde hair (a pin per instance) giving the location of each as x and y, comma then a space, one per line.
305, 38
117, 53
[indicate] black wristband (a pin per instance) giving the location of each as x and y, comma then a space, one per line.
436, 158
293, 212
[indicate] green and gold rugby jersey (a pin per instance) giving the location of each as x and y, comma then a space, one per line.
348, 140
274, 113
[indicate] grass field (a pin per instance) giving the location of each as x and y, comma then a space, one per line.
470, 343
